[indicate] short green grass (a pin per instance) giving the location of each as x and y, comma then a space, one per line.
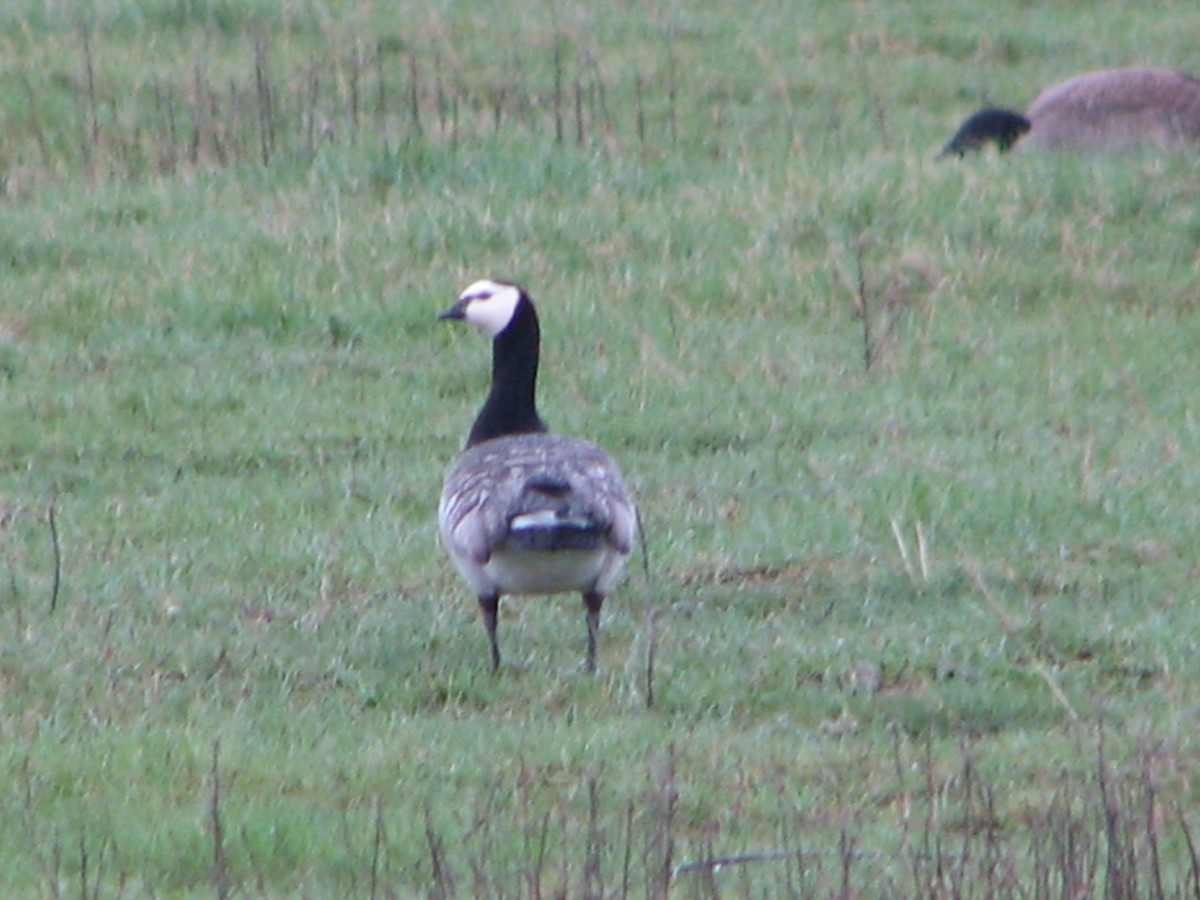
902, 616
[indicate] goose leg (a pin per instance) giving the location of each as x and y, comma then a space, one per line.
592, 601
490, 605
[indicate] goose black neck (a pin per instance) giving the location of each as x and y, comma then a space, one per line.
510, 407
1003, 126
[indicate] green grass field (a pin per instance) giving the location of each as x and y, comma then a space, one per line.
915, 444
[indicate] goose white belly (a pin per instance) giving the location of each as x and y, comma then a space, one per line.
542, 572
510, 571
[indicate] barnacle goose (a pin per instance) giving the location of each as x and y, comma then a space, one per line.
1111, 109
522, 510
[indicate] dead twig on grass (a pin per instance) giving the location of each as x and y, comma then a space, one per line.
651, 615
92, 144
57, 548
865, 305
220, 863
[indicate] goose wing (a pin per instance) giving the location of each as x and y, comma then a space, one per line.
535, 492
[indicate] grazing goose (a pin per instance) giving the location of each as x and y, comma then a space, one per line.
524, 511
1113, 109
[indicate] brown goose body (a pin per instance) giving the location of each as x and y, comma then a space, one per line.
1116, 109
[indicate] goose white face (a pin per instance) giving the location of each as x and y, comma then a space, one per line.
489, 305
